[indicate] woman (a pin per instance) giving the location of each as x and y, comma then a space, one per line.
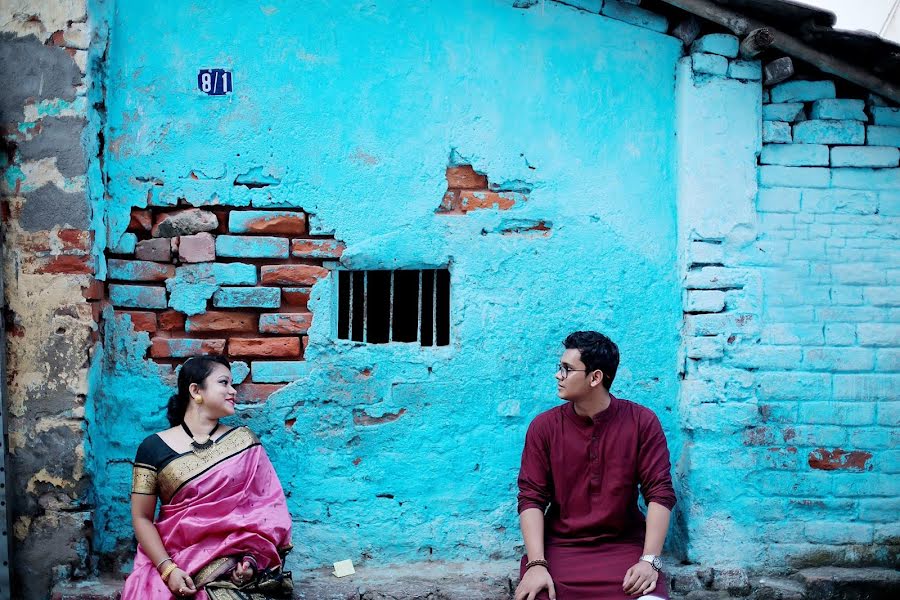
223, 528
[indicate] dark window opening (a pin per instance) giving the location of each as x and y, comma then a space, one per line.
378, 307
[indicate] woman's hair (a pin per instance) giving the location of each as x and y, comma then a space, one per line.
194, 370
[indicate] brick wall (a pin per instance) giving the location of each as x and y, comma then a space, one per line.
792, 336
48, 282
221, 280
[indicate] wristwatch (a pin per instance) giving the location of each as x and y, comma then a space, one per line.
653, 560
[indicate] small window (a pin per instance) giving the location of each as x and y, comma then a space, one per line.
378, 307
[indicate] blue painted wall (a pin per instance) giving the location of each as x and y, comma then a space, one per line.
353, 111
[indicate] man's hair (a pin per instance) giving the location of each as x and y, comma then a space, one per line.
597, 352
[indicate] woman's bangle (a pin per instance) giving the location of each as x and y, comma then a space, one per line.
162, 562
168, 571
538, 561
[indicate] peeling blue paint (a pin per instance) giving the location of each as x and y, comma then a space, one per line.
357, 118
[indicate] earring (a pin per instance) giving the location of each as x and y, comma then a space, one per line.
199, 400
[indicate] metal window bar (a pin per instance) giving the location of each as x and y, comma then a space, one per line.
419, 312
391, 311
365, 308
434, 305
350, 308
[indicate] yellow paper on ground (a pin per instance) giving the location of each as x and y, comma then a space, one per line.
342, 568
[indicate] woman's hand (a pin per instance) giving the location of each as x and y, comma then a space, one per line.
536, 578
181, 584
242, 573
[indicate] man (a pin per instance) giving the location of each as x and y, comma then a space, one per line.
585, 461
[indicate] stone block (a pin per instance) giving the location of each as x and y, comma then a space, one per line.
184, 347
253, 297
184, 222
200, 247
285, 323
838, 413
722, 44
793, 385
866, 179
292, 275
879, 334
124, 245
218, 321
706, 253
138, 270
140, 320
887, 116
776, 132
883, 296
235, 274
838, 359
785, 111
829, 132
767, 357
802, 177
803, 91
709, 64
236, 246
880, 510
704, 301
778, 200
269, 347
707, 347
634, 15
158, 249
278, 222
879, 135
865, 156
829, 532
137, 296
278, 371
839, 109
295, 296
322, 249
839, 201
745, 70
795, 155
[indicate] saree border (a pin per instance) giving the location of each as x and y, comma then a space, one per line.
187, 467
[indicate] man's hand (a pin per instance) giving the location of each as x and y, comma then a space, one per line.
640, 579
535, 579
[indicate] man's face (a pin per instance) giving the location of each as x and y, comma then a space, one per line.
572, 381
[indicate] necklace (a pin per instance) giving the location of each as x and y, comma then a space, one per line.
198, 446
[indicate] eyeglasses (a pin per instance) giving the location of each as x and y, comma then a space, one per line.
564, 370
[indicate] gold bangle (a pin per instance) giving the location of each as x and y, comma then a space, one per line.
168, 571
162, 562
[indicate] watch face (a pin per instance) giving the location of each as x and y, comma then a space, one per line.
657, 564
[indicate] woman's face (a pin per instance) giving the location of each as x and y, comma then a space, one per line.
218, 394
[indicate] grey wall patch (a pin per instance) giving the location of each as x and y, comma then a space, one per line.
59, 137
29, 69
49, 206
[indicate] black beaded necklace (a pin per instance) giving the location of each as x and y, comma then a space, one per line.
195, 445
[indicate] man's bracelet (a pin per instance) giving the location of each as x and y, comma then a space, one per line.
538, 561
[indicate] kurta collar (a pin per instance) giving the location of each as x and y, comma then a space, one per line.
587, 422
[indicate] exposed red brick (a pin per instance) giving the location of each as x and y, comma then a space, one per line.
255, 393
171, 320
450, 203
58, 38
68, 264
317, 248
158, 249
839, 460
298, 296
75, 240
197, 248
289, 423
361, 417
163, 347
140, 320
285, 323
141, 220
280, 347
469, 200
281, 224
464, 177
216, 321
356, 461
95, 290
758, 436
292, 274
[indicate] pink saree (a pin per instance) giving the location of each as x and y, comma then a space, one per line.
217, 507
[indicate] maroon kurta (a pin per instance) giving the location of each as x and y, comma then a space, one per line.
588, 472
